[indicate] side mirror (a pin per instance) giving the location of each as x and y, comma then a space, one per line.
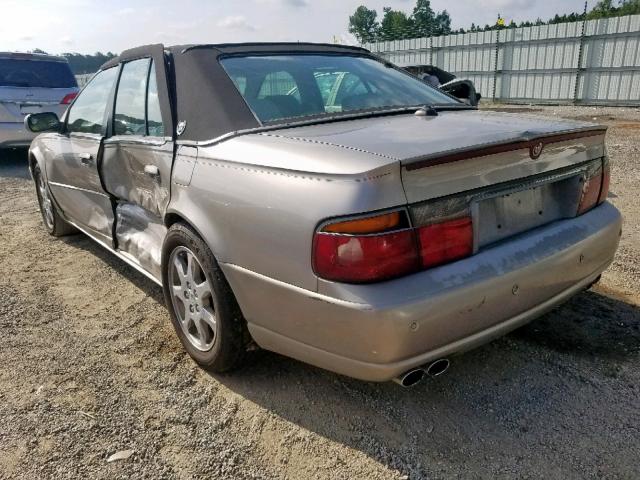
42, 122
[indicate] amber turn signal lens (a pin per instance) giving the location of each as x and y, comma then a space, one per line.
376, 224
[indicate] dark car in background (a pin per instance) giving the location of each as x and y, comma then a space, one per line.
31, 83
461, 88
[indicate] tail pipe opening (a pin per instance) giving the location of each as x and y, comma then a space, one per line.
438, 367
410, 378
416, 375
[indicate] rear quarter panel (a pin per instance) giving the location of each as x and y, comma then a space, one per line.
257, 200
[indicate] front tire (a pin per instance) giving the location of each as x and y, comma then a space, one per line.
53, 222
203, 309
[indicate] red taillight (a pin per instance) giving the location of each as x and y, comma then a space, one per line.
343, 253
364, 258
68, 98
446, 241
591, 188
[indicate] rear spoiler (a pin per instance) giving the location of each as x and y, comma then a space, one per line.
535, 144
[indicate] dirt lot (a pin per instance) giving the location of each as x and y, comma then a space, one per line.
91, 366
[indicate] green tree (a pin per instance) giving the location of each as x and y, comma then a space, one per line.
443, 23
428, 22
364, 24
81, 64
424, 16
606, 9
396, 25
603, 9
629, 7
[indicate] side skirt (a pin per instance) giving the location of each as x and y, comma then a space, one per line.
129, 260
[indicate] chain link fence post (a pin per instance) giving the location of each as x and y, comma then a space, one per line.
495, 65
576, 89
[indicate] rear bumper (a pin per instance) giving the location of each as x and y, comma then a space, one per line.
376, 332
15, 135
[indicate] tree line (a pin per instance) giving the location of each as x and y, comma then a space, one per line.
80, 63
423, 21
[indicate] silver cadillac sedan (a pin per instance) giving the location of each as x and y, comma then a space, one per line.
318, 201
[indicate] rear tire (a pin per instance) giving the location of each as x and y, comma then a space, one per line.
53, 221
203, 309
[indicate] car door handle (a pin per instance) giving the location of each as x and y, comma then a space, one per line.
151, 171
86, 158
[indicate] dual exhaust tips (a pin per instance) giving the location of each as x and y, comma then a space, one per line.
416, 375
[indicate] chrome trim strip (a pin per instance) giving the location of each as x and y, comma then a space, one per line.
71, 187
525, 184
129, 261
137, 140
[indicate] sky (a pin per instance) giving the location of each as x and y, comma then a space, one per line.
88, 26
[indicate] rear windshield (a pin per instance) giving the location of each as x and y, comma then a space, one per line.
289, 86
35, 73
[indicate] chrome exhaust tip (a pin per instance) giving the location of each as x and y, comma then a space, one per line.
438, 367
410, 378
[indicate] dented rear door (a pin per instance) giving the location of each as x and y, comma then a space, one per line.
138, 157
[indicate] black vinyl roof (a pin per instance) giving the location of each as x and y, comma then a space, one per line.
203, 95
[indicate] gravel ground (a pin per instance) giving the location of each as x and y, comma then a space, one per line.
91, 367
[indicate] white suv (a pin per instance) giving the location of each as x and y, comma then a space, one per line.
31, 83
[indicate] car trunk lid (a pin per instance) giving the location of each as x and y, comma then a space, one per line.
509, 173
457, 151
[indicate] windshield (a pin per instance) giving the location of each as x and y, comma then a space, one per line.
35, 73
290, 86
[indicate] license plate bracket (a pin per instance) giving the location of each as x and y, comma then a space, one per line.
508, 214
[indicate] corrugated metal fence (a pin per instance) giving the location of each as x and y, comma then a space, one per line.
591, 62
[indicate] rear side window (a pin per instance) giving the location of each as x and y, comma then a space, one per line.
129, 117
87, 112
35, 74
137, 103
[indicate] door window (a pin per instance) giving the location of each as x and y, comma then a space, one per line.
129, 118
137, 103
87, 112
155, 127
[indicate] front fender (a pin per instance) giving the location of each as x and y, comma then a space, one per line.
37, 157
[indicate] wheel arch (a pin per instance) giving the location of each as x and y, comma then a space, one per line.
173, 216
36, 158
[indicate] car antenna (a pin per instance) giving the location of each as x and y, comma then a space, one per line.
426, 111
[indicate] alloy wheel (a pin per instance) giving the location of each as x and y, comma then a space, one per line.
192, 298
47, 206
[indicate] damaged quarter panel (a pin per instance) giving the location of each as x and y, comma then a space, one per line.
257, 199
